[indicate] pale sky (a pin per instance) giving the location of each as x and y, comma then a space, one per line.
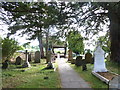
23, 40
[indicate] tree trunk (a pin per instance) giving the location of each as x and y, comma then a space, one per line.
47, 46
114, 35
41, 48
40, 45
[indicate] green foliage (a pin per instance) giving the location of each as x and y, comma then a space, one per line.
75, 42
9, 47
105, 43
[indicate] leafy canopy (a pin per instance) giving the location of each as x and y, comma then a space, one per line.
9, 47
75, 42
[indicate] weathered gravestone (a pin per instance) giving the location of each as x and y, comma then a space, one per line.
29, 57
88, 57
99, 63
70, 57
26, 63
5, 64
18, 60
37, 57
84, 66
78, 61
114, 84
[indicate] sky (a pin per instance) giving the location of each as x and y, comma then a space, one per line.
22, 40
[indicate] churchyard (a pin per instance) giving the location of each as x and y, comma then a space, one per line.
32, 77
60, 45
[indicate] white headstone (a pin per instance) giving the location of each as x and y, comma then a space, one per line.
99, 63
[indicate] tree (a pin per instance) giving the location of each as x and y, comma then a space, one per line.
75, 42
9, 47
31, 18
100, 13
105, 42
64, 15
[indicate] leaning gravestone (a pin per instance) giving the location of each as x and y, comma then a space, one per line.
18, 60
26, 63
114, 84
99, 63
37, 57
78, 61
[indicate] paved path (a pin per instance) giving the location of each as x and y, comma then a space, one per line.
70, 78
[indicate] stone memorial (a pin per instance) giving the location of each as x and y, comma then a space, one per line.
78, 61
70, 57
84, 66
37, 57
99, 63
88, 57
29, 57
26, 63
18, 60
5, 64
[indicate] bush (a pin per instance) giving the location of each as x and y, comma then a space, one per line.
9, 47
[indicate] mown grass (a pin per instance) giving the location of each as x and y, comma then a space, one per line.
91, 79
33, 77
88, 77
113, 67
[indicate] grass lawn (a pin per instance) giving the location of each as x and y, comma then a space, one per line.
91, 79
33, 77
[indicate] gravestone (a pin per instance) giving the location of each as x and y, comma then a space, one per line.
18, 60
29, 57
114, 84
5, 64
26, 63
70, 57
37, 57
78, 61
99, 63
88, 57
84, 66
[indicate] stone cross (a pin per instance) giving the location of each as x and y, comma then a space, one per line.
99, 63
26, 63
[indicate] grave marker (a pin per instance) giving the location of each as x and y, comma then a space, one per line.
37, 57
18, 60
88, 57
78, 61
99, 63
26, 63
29, 57
70, 55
